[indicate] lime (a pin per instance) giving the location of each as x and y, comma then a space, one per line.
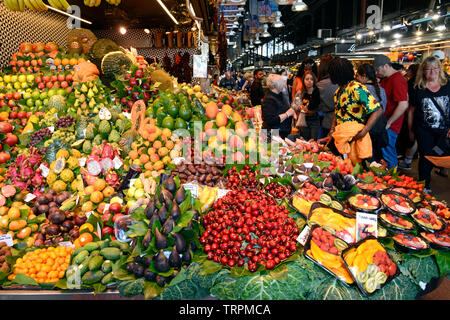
180, 124
185, 112
43, 95
38, 103
26, 95
168, 122
172, 110
30, 102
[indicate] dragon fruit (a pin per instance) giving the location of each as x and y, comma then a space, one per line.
28, 176
112, 178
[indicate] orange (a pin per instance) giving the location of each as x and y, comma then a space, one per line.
88, 190
80, 60
4, 115
144, 158
101, 207
96, 197
153, 136
154, 157
99, 184
158, 165
108, 191
148, 166
157, 144
57, 61
133, 154
150, 151
166, 132
65, 61
169, 144
73, 61
85, 238
163, 151
166, 160
87, 206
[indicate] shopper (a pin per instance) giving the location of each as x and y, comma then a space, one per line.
308, 64
405, 146
246, 82
353, 101
366, 75
276, 112
397, 103
327, 91
256, 89
431, 111
228, 82
216, 80
307, 100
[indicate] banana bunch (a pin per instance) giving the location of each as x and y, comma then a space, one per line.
92, 3
207, 196
59, 4
113, 2
19, 5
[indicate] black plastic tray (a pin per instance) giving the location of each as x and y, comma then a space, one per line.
395, 229
389, 279
433, 244
407, 249
415, 202
412, 205
360, 209
430, 229
308, 246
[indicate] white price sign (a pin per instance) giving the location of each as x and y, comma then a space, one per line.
67, 244
303, 236
82, 162
117, 163
45, 170
222, 192
29, 197
193, 188
6, 238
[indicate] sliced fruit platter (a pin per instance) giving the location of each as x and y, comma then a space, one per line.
409, 242
396, 222
324, 249
363, 202
372, 187
305, 196
370, 265
397, 203
441, 209
428, 220
437, 240
341, 224
413, 194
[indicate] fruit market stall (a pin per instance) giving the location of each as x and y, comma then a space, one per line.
108, 195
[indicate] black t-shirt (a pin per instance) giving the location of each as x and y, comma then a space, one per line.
426, 114
273, 105
256, 93
314, 101
229, 84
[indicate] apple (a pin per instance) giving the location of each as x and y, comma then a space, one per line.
17, 95
29, 114
64, 84
46, 78
135, 95
11, 103
128, 90
49, 85
41, 85
146, 95
139, 74
69, 78
23, 122
127, 76
124, 101
61, 77
130, 104
145, 86
13, 115
3, 104
21, 114
56, 84
54, 78
38, 79
8, 96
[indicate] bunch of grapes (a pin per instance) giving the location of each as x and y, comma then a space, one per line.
64, 122
38, 136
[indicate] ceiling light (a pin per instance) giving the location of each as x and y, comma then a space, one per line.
397, 35
257, 41
251, 46
299, 5
123, 30
435, 16
371, 33
440, 27
146, 31
266, 33
386, 27
381, 40
278, 23
167, 11
359, 36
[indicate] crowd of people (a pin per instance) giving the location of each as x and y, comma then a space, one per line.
397, 112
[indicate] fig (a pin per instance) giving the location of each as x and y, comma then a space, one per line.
193, 246
52, 204
180, 242
160, 280
174, 258
315, 169
147, 239
80, 220
186, 257
150, 209
168, 226
161, 241
60, 199
170, 185
149, 276
42, 200
50, 197
153, 219
290, 168
52, 230
161, 262
139, 271
166, 197
175, 212
138, 259
130, 267
147, 260
180, 196
162, 214
68, 225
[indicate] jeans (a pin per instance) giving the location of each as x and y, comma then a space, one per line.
426, 140
390, 152
323, 132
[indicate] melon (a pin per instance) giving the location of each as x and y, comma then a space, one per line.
115, 63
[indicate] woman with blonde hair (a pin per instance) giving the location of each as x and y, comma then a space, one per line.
430, 111
246, 82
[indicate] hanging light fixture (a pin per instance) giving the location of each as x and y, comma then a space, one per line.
266, 33
257, 41
278, 23
251, 45
299, 5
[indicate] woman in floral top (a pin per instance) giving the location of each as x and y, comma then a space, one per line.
353, 101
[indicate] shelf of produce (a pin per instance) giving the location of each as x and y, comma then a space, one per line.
11, 294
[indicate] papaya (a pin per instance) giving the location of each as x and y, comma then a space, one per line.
92, 277
327, 259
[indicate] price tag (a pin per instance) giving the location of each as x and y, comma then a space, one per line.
303, 236
29, 197
88, 214
167, 254
366, 225
117, 163
52, 129
82, 162
67, 244
178, 160
106, 207
308, 165
193, 188
6, 238
222, 192
45, 170
99, 231
84, 132
132, 181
